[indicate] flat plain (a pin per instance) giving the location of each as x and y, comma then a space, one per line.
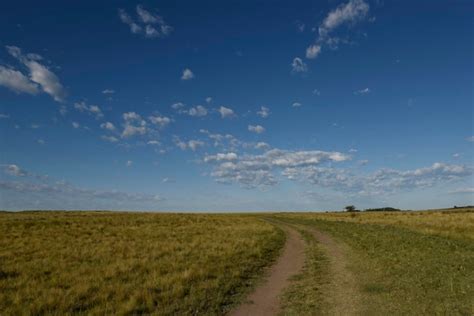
367, 263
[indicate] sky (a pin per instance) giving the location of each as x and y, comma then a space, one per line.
236, 105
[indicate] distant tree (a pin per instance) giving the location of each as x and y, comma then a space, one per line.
350, 208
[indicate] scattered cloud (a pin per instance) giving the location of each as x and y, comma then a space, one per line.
14, 170
298, 65
300, 26
262, 146
40, 77
191, 144
90, 109
362, 91
161, 121
264, 112
177, 106
150, 24
256, 129
133, 125
349, 14
108, 126
208, 100
462, 191
16, 81
470, 139
198, 110
110, 139
259, 170
316, 92
226, 112
296, 104
41, 141
76, 125
313, 51
108, 91
187, 74
129, 163
4, 116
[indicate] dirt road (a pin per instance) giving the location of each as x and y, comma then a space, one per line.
265, 299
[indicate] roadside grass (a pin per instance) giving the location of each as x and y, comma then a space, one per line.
401, 271
457, 224
305, 296
130, 263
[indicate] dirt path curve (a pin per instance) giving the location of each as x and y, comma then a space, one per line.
265, 299
342, 292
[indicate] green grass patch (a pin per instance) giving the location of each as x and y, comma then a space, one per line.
305, 296
404, 272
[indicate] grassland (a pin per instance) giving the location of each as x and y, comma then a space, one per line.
124, 263
404, 263
421, 264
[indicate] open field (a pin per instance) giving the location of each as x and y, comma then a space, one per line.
368, 263
402, 262
125, 263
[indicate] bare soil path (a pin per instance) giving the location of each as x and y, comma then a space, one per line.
342, 293
265, 299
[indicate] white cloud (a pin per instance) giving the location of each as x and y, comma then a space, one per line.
195, 144
208, 100
76, 125
40, 74
258, 170
262, 145
108, 91
161, 121
134, 125
14, 170
198, 110
298, 65
316, 92
192, 144
91, 109
16, 81
264, 112
256, 129
177, 106
462, 191
129, 163
362, 91
111, 139
221, 157
153, 143
149, 24
348, 13
108, 126
296, 104
226, 112
470, 139
313, 51
41, 141
187, 74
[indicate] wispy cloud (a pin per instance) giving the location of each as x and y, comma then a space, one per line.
40, 77
187, 74
298, 65
362, 91
264, 112
256, 129
226, 112
150, 24
90, 109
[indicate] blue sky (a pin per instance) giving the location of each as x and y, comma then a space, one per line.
236, 105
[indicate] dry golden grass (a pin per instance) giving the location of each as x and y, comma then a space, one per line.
448, 223
125, 263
